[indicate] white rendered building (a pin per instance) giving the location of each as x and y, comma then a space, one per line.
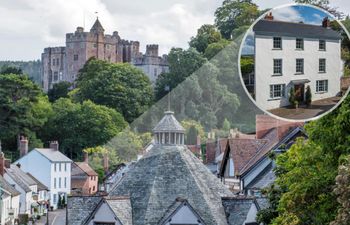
295, 55
52, 168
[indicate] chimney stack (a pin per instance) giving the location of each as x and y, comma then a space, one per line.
326, 23
54, 145
105, 163
269, 16
23, 146
86, 157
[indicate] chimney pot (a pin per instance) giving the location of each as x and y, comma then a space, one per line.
105, 163
326, 23
269, 16
54, 145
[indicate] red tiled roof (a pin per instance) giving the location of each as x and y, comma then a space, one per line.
86, 168
210, 151
242, 150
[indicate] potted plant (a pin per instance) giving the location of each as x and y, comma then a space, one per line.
292, 97
308, 96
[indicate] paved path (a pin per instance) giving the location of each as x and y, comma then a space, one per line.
57, 217
303, 112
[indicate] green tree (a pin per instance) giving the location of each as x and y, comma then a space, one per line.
59, 90
247, 65
234, 14
182, 63
11, 70
226, 125
78, 126
306, 173
126, 144
24, 109
206, 35
214, 48
122, 87
342, 191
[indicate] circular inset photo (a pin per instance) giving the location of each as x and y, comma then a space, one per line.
294, 62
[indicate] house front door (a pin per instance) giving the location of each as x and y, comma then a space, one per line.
299, 92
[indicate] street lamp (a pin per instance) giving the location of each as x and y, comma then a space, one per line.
47, 212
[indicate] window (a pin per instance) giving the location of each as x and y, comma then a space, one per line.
322, 65
299, 44
65, 167
76, 57
322, 45
55, 167
55, 76
277, 43
95, 45
59, 167
249, 80
53, 62
59, 182
65, 182
57, 62
277, 90
277, 66
54, 183
93, 188
54, 198
299, 66
321, 85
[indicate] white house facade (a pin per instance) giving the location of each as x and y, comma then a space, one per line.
295, 55
9, 204
51, 168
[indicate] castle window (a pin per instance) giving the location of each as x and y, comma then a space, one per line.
76, 57
55, 76
95, 45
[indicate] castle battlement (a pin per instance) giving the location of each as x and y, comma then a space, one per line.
63, 63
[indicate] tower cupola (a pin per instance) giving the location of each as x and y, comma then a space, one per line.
169, 131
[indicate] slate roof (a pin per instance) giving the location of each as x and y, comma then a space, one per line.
121, 206
79, 208
8, 187
166, 173
41, 186
168, 124
264, 179
237, 209
53, 155
97, 27
20, 177
273, 27
86, 168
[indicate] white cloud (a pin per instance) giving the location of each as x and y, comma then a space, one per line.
31, 25
287, 14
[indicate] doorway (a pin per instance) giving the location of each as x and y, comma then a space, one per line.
299, 92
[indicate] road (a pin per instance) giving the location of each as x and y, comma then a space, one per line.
57, 217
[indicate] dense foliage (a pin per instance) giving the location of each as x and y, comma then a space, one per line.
78, 126
122, 87
59, 90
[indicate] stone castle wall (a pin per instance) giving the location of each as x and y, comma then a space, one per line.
82, 45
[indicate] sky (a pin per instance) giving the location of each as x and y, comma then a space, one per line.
28, 26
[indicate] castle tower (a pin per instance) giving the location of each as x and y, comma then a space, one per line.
97, 27
169, 131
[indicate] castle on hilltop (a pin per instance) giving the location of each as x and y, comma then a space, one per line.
63, 63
